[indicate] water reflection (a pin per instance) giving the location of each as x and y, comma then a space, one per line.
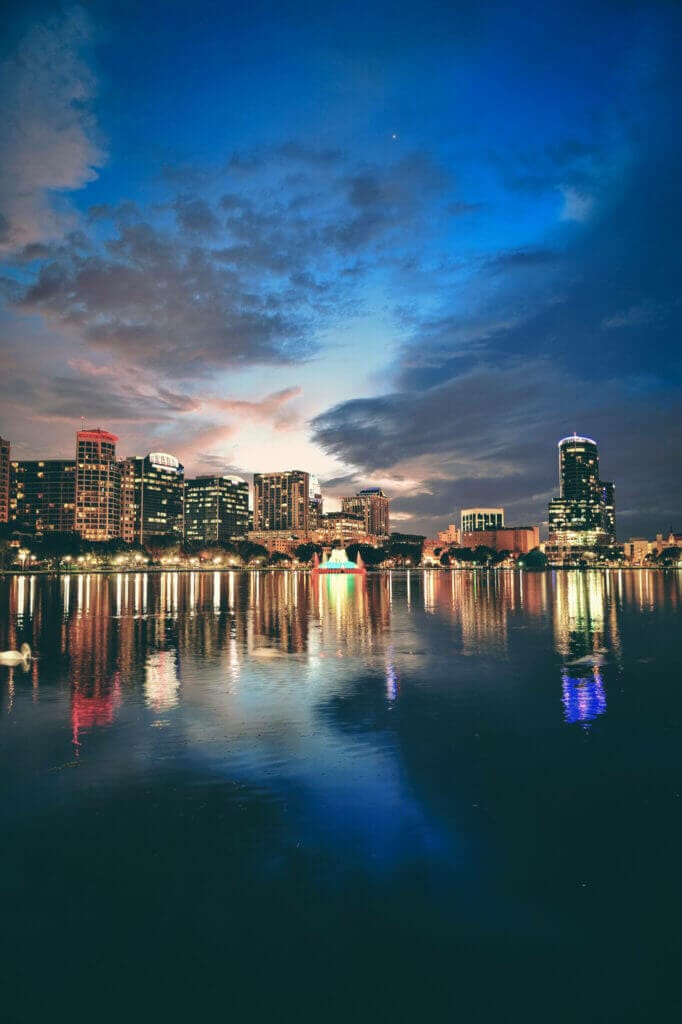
116, 636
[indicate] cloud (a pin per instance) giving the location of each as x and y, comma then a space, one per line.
48, 137
274, 408
577, 206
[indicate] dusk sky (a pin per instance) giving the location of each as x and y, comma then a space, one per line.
406, 245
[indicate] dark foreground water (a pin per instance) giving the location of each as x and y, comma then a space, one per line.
448, 796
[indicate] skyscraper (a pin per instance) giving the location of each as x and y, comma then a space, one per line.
4, 480
216, 509
584, 513
281, 501
374, 507
151, 497
98, 485
43, 495
315, 503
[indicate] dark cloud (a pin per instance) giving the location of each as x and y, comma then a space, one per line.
195, 214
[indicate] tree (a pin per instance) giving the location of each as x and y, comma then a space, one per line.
483, 555
279, 558
534, 559
305, 552
159, 546
251, 552
6, 553
670, 556
370, 555
57, 546
462, 554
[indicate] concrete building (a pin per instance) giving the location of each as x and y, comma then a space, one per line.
636, 550
98, 486
516, 539
481, 519
343, 526
373, 506
281, 501
43, 495
284, 541
216, 509
448, 537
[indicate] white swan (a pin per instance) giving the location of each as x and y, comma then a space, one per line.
22, 656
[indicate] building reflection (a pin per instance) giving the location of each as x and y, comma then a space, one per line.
586, 635
583, 696
115, 635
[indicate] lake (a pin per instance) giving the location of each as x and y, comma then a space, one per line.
419, 796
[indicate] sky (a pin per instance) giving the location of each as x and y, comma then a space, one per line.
398, 245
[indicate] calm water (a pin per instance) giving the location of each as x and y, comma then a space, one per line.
425, 797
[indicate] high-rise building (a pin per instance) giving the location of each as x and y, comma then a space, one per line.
152, 491
374, 507
129, 518
584, 514
98, 485
609, 499
4, 479
216, 509
315, 503
474, 519
281, 501
43, 495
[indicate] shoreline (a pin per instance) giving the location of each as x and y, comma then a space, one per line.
159, 569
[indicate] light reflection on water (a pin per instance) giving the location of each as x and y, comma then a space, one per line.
293, 750
104, 627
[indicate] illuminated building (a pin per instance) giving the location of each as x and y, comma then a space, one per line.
152, 490
315, 503
609, 499
283, 541
374, 507
474, 519
636, 550
516, 539
216, 509
281, 501
584, 514
98, 486
43, 495
343, 526
449, 536
128, 508
4, 480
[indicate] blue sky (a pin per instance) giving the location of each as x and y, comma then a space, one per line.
405, 244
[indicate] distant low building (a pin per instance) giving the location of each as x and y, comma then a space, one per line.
284, 541
636, 550
519, 540
672, 540
449, 536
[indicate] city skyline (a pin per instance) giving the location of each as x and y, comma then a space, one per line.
401, 249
